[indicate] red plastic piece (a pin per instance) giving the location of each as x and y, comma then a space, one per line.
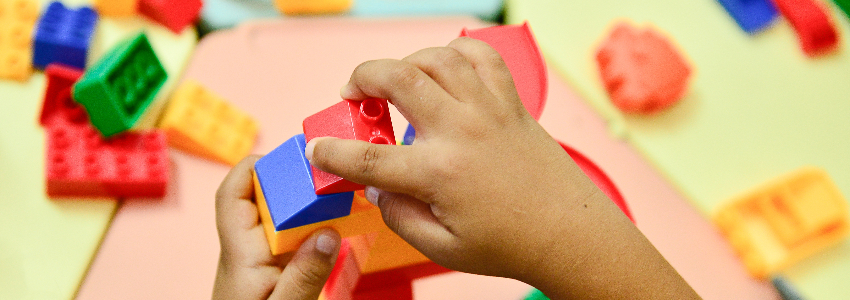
81, 164
521, 54
641, 70
599, 178
810, 19
175, 15
367, 120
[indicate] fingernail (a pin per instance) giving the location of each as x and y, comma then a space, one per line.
310, 147
326, 244
346, 92
372, 195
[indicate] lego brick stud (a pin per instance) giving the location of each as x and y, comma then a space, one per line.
64, 36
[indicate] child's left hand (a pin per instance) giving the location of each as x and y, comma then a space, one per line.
246, 267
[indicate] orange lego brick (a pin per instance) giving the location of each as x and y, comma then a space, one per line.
785, 221
388, 251
202, 123
116, 8
298, 7
17, 19
360, 223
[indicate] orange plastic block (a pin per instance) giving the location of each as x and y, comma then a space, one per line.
202, 123
785, 220
361, 222
388, 251
17, 19
641, 70
116, 8
298, 7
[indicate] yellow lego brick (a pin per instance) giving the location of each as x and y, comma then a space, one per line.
785, 221
116, 8
296, 7
202, 123
17, 19
284, 241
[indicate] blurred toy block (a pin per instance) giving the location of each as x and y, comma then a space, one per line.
641, 69
367, 120
536, 295
785, 289
117, 90
752, 16
285, 184
409, 135
64, 36
388, 251
299, 7
116, 8
224, 14
519, 50
202, 123
345, 273
488, 10
175, 15
17, 19
810, 19
57, 102
785, 220
844, 5
395, 283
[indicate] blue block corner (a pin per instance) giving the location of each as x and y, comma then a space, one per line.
286, 181
63, 36
409, 135
752, 16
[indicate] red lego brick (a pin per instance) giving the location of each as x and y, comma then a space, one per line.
811, 21
344, 276
175, 15
367, 120
641, 70
80, 163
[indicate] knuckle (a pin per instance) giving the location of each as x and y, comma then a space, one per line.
448, 58
369, 162
404, 75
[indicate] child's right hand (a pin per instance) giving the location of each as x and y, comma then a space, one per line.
484, 189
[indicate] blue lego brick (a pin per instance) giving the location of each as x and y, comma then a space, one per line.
287, 185
752, 15
409, 135
484, 9
224, 14
63, 36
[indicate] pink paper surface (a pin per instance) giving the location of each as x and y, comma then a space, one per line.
283, 71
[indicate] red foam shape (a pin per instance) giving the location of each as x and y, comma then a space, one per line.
599, 178
519, 50
175, 15
641, 70
815, 30
80, 163
367, 120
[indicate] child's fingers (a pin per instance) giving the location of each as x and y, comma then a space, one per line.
307, 272
489, 65
452, 71
421, 100
390, 167
235, 211
413, 220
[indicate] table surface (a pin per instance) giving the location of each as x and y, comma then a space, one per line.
282, 71
757, 107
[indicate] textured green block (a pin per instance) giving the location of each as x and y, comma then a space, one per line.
844, 5
118, 89
536, 295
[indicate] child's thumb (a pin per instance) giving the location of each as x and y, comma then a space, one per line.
306, 274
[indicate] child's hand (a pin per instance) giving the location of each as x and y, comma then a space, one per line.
246, 268
484, 189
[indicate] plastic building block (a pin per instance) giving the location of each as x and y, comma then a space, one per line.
599, 178
118, 89
519, 50
409, 135
202, 123
488, 10
175, 15
815, 30
57, 96
785, 290
752, 15
784, 221
844, 5
367, 120
286, 185
299, 7
641, 70
388, 251
17, 18
116, 8
536, 295
63, 36
395, 283
224, 14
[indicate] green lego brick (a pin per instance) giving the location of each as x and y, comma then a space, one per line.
536, 295
844, 5
118, 89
